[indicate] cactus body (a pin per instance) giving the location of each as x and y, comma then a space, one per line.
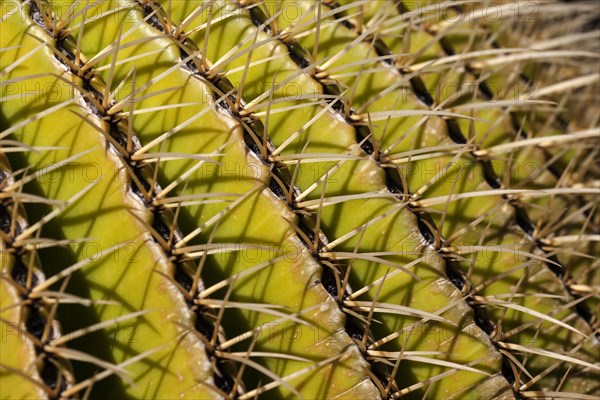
299, 199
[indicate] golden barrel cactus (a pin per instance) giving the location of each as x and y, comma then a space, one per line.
299, 199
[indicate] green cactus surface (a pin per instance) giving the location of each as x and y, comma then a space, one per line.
299, 199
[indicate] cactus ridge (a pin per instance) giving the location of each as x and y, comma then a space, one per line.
144, 186
530, 226
260, 145
21, 271
146, 189
282, 187
457, 136
281, 183
365, 137
567, 175
364, 141
92, 88
521, 217
560, 172
454, 130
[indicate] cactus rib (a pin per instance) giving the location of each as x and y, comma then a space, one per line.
282, 187
281, 184
123, 204
523, 219
394, 181
163, 227
326, 108
420, 97
350, 354
27, 317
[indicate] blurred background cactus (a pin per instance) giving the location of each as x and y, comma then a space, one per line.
299, 199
